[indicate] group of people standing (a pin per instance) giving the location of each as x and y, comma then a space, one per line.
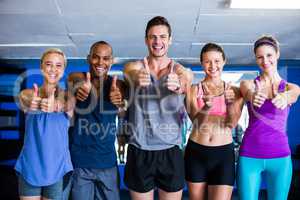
151, 97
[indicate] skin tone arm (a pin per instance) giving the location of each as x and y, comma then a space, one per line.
136, 74
82, 85
29, 99
185, 77
292, 93
197, 116
235, 102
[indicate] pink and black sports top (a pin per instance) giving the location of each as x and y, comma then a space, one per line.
218, 106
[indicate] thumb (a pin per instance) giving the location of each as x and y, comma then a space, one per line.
52, 94
114, 83
35, 90
146, 65
88, 77
274, 90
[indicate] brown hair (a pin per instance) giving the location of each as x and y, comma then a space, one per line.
212, 47
156, 21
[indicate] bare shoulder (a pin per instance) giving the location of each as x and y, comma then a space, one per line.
25, 94
192, 91
246, 84
294, 88
292, 85
187, 72
76, 76
135, 65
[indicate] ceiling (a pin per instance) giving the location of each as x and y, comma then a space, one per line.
29, 27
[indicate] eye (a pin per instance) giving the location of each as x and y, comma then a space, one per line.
151, 37
106, 58
164, 36
59, 65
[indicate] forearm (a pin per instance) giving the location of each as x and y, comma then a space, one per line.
292, 94
201, 117
233, 116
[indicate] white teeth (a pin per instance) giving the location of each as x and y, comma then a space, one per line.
157, 47
100, 69
53, 76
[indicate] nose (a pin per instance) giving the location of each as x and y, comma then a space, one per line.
265, 60
53, 68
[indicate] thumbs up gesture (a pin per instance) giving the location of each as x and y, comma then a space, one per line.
144, 78
48, 104
279, 99
258, 97
173, 81
229, 93
35, 99
85, 89
115, 94
207, 97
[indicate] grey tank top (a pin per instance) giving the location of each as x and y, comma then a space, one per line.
154, 115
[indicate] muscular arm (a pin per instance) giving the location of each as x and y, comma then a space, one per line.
247, 89
75, 78
130, 72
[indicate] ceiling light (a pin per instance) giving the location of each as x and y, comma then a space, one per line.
265, 4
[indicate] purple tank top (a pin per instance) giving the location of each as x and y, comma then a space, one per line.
266, 135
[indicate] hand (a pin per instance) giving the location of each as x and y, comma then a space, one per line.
229, 94
143, 76
85, 89
259, 97
280, 99
49, 104
115, 94
207, 97
173, 81
35, 100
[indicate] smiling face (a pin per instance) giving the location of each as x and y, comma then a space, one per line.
100, 60
158, 40
266, 58
213, 63
53, 66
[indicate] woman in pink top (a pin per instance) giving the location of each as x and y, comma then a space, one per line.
265, 149
214, 108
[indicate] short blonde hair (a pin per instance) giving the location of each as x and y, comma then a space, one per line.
57, 51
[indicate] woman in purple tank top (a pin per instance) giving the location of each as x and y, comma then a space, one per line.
265, 149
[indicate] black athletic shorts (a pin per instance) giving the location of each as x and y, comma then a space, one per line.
145, 170
213, 165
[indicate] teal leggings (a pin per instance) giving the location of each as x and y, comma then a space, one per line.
277, 171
